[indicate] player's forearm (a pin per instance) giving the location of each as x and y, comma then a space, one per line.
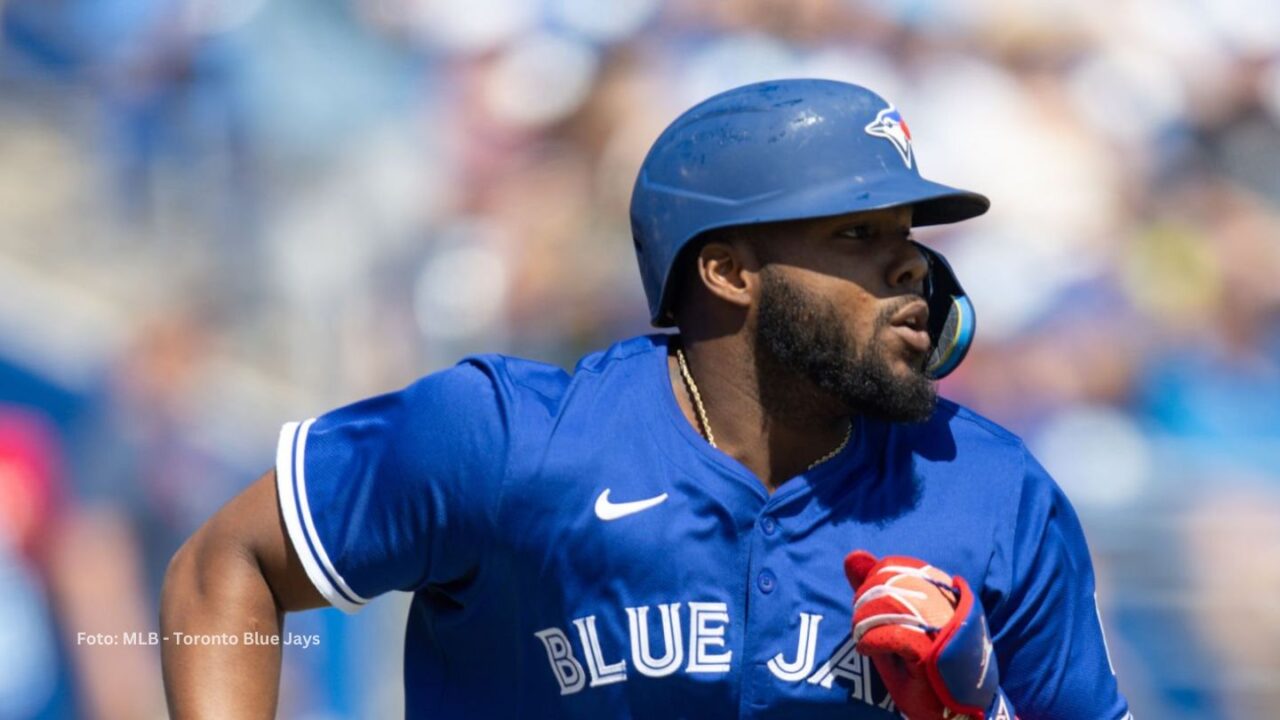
213, 595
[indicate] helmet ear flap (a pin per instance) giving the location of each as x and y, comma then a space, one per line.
952, 320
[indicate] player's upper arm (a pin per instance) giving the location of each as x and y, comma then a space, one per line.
1053, 658
251, 526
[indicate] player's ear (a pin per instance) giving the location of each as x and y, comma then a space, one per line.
729, 270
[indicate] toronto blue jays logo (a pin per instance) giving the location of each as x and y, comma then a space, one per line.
890, 126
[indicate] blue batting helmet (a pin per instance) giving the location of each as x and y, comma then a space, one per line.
792, 150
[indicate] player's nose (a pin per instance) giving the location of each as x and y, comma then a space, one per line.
908, 270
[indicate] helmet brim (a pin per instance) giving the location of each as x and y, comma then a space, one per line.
932, 203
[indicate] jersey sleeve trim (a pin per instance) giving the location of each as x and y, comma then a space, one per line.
291, 487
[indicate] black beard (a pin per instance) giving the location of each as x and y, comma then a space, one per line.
799, 335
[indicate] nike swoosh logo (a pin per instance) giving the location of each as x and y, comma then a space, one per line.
606, 510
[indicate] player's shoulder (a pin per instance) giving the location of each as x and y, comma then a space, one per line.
995, 459
956, 426
542, 387
965, 442
972, 427
623, 356
516, 377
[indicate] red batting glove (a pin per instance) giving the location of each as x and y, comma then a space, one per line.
927, 636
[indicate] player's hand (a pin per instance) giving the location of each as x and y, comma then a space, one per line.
927, 636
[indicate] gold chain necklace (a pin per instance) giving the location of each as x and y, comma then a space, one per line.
706, 424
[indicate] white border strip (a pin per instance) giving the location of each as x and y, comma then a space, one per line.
290, 502
301, 480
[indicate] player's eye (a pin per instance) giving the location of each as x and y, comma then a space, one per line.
857, 232
871, 232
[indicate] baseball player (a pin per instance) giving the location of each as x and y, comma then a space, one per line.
767, 515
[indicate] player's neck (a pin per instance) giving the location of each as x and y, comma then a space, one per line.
775, 432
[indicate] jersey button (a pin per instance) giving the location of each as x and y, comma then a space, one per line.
768, 525
766, 582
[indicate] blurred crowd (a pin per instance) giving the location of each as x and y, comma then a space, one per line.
219, 215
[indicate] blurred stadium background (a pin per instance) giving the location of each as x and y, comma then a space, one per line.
218, 215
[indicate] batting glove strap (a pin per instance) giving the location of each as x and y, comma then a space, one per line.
962, 665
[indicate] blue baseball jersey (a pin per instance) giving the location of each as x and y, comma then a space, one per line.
575, 549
